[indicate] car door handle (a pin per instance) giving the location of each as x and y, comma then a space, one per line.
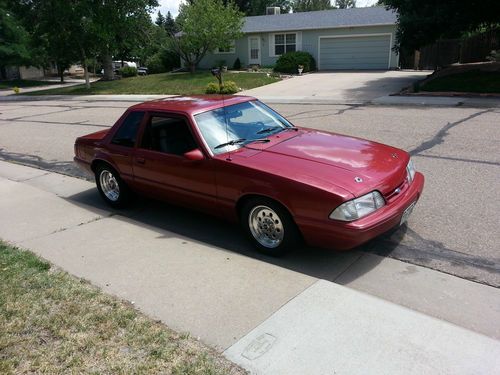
140, 160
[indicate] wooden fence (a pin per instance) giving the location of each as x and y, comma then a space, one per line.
449, 51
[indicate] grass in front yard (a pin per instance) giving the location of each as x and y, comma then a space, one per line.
472, 81
53, 323
162, 84
24, 83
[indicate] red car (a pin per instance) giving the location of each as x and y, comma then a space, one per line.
236, 158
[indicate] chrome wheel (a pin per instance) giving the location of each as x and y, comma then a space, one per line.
266, 226
109, 185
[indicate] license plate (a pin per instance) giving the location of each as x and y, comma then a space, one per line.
407, 213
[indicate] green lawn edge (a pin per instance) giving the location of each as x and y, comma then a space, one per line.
162, 84
471, 82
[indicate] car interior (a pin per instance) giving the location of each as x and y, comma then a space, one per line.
169, 135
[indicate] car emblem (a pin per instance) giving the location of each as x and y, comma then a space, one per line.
358, 179
397, 191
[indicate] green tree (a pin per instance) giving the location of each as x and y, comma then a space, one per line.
422, 22
118, 27
160, 20
310, 5
344, 4
14, 40
205, 25
170, 24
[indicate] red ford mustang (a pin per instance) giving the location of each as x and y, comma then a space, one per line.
236, 158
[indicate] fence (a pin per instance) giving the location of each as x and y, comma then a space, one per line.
449, 51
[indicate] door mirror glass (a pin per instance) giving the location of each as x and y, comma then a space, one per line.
194, 155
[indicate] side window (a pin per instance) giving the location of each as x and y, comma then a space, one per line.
170, 135
127, 134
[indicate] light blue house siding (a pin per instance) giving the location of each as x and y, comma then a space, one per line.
363, 47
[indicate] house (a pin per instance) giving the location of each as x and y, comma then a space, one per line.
356, 38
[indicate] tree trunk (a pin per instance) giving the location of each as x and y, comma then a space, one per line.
61, 73
108, 67
86, 70
192, 67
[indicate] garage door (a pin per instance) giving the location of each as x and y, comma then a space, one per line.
364, 52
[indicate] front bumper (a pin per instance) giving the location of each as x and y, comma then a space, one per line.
343, 236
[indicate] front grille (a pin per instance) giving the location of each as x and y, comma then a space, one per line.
396, 192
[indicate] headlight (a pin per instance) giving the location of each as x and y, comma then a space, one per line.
359, 207
410, 170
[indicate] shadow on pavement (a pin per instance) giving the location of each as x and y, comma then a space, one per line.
213, 232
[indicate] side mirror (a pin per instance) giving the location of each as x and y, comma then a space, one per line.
194, 155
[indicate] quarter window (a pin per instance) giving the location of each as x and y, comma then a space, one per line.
284, 43
127, 134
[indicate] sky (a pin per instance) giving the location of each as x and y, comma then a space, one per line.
173, 5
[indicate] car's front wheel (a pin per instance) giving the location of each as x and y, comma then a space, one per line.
269, 226
111, 187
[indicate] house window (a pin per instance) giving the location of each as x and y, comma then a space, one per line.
228, 49
284, 43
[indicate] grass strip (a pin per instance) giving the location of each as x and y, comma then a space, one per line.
54, 323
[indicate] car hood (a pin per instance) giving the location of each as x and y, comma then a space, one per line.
354, 164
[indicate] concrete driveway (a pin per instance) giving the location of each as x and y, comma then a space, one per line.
353, 87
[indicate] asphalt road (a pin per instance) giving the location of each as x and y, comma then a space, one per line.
454, 229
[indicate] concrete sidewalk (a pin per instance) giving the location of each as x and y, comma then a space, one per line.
267, 317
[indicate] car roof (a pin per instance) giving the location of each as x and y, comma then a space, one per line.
192, 104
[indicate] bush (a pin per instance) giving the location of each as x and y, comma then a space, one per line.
212, 88
237, 64
228, 87
289, 62
128, 71
162, 61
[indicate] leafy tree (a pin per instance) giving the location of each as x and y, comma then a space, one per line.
422, 22
119, 26
14, 40
205, 25
160, 20
344, 4
310, 5
170, 24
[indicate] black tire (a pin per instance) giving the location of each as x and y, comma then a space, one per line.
123, 192
254, 211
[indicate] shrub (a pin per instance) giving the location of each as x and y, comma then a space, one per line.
162, 61
237, 64
289, 62
228, 87
128, 71
212, 88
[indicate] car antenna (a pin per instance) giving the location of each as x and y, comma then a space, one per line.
217, 73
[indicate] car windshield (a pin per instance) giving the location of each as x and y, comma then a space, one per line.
229, 128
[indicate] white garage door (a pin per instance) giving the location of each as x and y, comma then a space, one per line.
363, 52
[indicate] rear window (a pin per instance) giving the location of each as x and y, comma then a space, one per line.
127, 134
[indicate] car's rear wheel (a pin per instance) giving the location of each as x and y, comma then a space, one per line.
269, 226
111, 187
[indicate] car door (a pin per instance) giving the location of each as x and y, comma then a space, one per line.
161, 168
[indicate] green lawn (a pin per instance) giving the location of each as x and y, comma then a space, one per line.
53, 323
165, 83
472, 81
24, 83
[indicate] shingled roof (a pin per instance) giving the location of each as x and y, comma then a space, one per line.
323, 19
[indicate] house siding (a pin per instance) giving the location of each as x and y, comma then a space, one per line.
307, 40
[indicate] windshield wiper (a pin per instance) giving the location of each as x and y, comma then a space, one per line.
268, 130
260, 140
231, 143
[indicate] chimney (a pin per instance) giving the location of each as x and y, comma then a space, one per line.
271, 11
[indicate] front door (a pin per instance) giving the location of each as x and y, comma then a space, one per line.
254, 50
160, 168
